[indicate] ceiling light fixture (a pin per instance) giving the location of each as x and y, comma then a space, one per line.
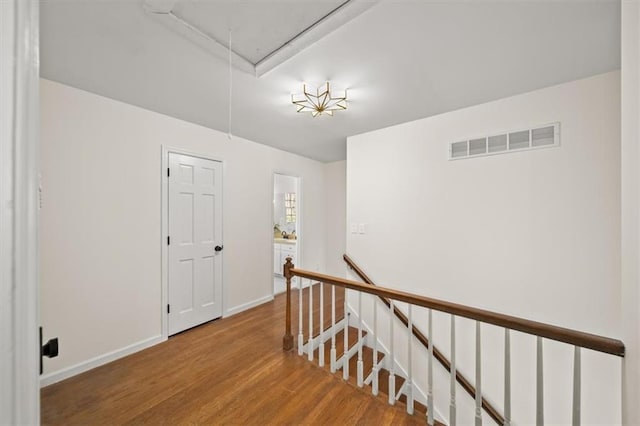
320, 101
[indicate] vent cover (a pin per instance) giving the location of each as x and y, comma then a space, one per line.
520, 140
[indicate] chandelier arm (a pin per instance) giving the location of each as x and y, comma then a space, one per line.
322, 102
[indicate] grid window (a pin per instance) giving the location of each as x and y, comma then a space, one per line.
290, 207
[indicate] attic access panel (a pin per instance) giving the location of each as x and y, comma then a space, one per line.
265, 33
258, 27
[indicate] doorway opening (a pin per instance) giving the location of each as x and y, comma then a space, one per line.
286, 226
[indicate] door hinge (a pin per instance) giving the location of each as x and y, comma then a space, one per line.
168, 240
168, 172
168, 308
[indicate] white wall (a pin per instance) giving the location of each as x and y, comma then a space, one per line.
100, 221
335, 207
534, 234
631, 210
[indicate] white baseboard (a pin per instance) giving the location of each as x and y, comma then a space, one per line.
65, 373
248, 305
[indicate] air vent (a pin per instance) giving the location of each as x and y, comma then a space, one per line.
459, 149
478, 146
497, 143
520, 140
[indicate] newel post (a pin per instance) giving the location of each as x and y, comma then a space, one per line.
287, 340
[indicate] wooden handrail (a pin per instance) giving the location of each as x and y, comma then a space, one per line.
565, 335
437, 354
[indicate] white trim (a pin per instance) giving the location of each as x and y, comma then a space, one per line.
246, 306
164, 225
19, 137
317, 31
65, 373
197, 36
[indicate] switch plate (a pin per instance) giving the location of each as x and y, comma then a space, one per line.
354, 228
361, 228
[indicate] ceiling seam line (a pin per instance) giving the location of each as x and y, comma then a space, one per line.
301, 33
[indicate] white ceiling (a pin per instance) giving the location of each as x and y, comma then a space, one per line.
401, 60
259, 27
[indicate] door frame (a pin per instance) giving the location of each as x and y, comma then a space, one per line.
164, 219
19, 275
299, 222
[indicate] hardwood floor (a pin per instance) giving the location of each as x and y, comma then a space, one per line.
229, 371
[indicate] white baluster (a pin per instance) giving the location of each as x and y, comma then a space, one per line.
310, 345
360, 364
374, 379
539, 384
452, 384
321, 345
430, 408
345, 358
409, 388
507, 377
332, 354
392, 366
300, 308
576, 386
478, 376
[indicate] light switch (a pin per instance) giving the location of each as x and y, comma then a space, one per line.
361, 228
354, 228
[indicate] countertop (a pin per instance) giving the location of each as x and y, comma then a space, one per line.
284, 241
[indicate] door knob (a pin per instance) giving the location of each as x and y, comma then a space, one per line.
219, 248
49, 349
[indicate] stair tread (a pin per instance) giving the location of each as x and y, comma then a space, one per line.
339, 308
367, 361
352, 339
420, 409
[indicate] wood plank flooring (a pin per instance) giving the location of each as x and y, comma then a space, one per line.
229, 371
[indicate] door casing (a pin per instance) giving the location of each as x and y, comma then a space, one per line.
19, 149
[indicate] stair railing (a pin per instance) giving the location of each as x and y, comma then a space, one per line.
541, 330
439, 356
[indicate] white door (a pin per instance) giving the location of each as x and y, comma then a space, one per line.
195, 241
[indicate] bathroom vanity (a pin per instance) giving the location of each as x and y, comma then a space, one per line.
283, 248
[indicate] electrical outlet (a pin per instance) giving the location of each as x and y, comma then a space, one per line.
354, 228
361, 228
